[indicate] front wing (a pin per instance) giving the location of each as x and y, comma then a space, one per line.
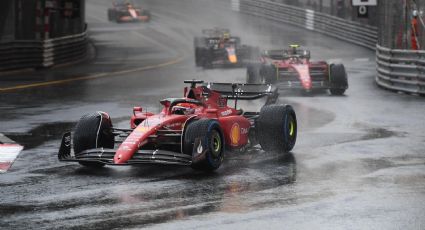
106, 156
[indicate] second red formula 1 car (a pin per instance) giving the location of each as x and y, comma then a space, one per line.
193, 130
126, 11
292, 68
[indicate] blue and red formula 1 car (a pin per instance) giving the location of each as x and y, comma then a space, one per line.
293, 69
217, 48
193, 130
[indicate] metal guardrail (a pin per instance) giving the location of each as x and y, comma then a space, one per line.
46, 53
401, 70
354, 32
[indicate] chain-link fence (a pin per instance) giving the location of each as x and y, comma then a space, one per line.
402, 24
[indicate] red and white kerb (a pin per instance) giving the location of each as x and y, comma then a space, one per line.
8, 154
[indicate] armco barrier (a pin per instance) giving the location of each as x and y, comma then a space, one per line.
354, 32
45, 53
401, 70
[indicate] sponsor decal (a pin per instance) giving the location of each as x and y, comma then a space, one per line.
174, 125
235, 134
199, 149
244, 130
226, 112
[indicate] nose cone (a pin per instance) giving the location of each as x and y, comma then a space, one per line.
306, 84
123, 154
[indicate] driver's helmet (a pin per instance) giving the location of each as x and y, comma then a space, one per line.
129, 5
294, 48
183, 109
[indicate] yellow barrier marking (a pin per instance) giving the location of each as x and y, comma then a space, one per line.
95, 76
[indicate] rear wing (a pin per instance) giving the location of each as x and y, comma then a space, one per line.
242, 91
216, 32
285, 54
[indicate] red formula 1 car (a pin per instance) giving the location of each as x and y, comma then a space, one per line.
194, 130
126, 11
292, 68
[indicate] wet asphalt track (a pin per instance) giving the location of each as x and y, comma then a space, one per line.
359, 161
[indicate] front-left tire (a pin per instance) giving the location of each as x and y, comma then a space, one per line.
204, 141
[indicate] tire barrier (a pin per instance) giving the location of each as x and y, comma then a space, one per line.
401, 70
44, 53
351, 31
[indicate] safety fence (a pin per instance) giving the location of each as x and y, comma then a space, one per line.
20, 54
401, 70
351, 31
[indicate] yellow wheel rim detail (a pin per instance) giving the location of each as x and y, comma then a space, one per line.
291, 128
217, 144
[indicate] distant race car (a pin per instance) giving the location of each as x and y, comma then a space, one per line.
194, 130
216, 48
126, 11
292, 68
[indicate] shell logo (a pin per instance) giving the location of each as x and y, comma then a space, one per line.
235, 134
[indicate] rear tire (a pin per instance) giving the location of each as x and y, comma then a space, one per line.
148, 14
93, 131
268, 73
204, 141
337, 79
253, 74
276, 128
111, 14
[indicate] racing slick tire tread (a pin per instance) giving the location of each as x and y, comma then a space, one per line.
204, 130
337, 79
111, 14
273, 128
253, 74
93, 131
268, 73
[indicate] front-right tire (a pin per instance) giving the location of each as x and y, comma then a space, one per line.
93, 131
253, 74
276, 128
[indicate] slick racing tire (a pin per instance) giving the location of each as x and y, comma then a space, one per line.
268, 74
337, 79
276, 128
198, 56
111, 14
253, 74
204, 141
93, 131
148, 14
